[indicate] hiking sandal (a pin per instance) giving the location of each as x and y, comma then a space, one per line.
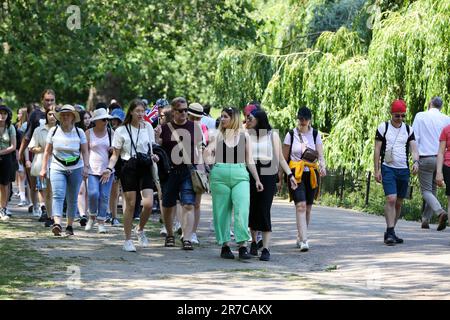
187, 245
170, 241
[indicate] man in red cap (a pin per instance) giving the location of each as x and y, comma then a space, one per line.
393, 141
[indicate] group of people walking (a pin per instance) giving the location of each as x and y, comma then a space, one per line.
244, 162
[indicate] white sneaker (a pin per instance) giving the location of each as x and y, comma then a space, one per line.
142, 238
194, 239
102, 228
163, 231
299, 243
37, 212
3, 215
231, 233
304, 246
89, 225
129, 246
176, 227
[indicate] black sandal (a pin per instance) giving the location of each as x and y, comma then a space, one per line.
56, 229
170, 241
187, 245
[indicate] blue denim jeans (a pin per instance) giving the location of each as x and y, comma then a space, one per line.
65, 184
98, 195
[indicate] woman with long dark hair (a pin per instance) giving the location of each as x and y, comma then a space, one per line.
133, 144
7, 152
268, 156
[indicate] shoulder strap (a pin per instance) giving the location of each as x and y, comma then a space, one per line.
54, 132
291, 133
131, 138
407, 129
315, 134
109, 135
78, 132
385, 131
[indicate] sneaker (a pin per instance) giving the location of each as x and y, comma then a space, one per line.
254, 249
265, 255
231, 233
115, 222
8, 213
304, 246
142, 238
23, 204
260, 244
43, 217
194, 239
102, 228
243, 253
89, 225
108, 217
3, 215
177, 228
56, 229
36, 212
30, 209
163, 231
397, 239
425, 224
299, 243
389, 239
443, 217
83, 221
49, 222
69, 231
129, 246
226, 253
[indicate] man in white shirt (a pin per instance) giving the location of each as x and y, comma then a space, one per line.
427, 127
393, 141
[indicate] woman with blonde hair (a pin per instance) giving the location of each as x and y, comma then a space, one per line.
231, 155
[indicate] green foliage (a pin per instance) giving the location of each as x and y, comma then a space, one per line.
150, 48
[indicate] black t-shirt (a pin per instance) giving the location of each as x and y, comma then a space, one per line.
190, 135
33, 122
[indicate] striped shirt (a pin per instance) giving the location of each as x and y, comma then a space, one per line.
66, 145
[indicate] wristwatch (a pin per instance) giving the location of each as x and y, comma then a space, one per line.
109, 169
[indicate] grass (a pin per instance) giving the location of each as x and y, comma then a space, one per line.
22, 266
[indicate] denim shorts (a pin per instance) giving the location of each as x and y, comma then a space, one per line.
178, 186
395, 181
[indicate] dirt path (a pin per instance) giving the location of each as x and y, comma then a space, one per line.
347, 260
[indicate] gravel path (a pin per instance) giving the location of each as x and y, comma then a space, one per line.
347, 260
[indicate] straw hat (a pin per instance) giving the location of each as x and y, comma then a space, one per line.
100, 114
68, 108
195, 109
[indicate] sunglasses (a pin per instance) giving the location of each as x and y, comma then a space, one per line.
49, 100
181, 110
303, 119
400, 116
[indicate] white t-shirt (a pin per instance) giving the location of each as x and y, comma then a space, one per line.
39, 139
262, 148
122, 139
66, 145
297, 148
396, 139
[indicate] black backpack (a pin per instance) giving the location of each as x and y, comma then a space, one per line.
163, 163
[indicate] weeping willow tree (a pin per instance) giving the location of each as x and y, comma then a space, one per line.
349, 84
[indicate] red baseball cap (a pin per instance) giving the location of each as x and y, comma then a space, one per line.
398, 106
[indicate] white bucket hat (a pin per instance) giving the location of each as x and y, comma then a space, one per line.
68, 108
195, 109
100, 114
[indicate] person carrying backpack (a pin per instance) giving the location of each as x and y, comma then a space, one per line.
303, 150
68, 147
393, 140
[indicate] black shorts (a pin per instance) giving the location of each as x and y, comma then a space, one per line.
135, 179
7, 169
304, 192
446, 173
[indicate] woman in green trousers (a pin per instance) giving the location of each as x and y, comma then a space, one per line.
231, 155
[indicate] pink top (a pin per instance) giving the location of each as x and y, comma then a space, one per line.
205, 133
98, 152
445, 136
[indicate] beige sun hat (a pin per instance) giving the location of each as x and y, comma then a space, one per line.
100, 114
68, 108
195, 109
